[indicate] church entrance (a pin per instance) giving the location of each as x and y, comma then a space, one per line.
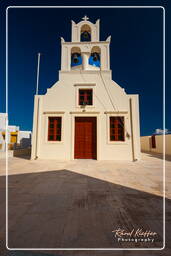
85, 138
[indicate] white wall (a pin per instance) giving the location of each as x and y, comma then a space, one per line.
146, 144
62, 100
13, 128
2, 121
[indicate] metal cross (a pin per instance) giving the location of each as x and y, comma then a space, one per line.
85, 18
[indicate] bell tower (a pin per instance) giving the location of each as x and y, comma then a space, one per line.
85, 51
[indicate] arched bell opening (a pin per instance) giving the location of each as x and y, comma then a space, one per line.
94, 58
85, 33
76, 59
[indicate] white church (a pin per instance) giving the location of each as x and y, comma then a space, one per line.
86, 115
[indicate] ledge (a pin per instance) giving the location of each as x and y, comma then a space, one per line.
86, 112
86, 42
116, 112
53, 112
84, 71
85, 83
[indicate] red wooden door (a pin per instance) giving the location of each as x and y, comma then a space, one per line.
85, 138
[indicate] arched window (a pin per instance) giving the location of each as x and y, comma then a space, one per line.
94, 58
76, 58
85, 33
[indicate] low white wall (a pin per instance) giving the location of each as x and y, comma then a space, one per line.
3, 154
146, 144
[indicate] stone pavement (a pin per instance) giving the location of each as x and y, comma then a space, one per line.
77, 204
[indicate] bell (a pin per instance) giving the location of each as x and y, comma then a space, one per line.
75, 58
85, 33
95, 56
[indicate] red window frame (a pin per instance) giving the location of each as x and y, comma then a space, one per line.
54, 128
85, 97
117, 128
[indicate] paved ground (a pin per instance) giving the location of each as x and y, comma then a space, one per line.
79, 203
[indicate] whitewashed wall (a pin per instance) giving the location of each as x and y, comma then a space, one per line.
61, 100
146, 144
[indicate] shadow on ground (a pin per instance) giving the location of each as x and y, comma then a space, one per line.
157, 155
63, 209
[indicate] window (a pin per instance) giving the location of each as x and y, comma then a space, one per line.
85, 97
54, 129
117, 128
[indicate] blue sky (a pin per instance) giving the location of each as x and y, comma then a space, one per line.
136, 55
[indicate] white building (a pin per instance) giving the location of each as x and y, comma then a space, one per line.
86, 114
15, 136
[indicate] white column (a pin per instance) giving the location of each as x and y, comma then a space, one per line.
85, 58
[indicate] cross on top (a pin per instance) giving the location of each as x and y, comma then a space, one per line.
85, 18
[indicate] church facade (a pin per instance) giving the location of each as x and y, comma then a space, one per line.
86, 115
